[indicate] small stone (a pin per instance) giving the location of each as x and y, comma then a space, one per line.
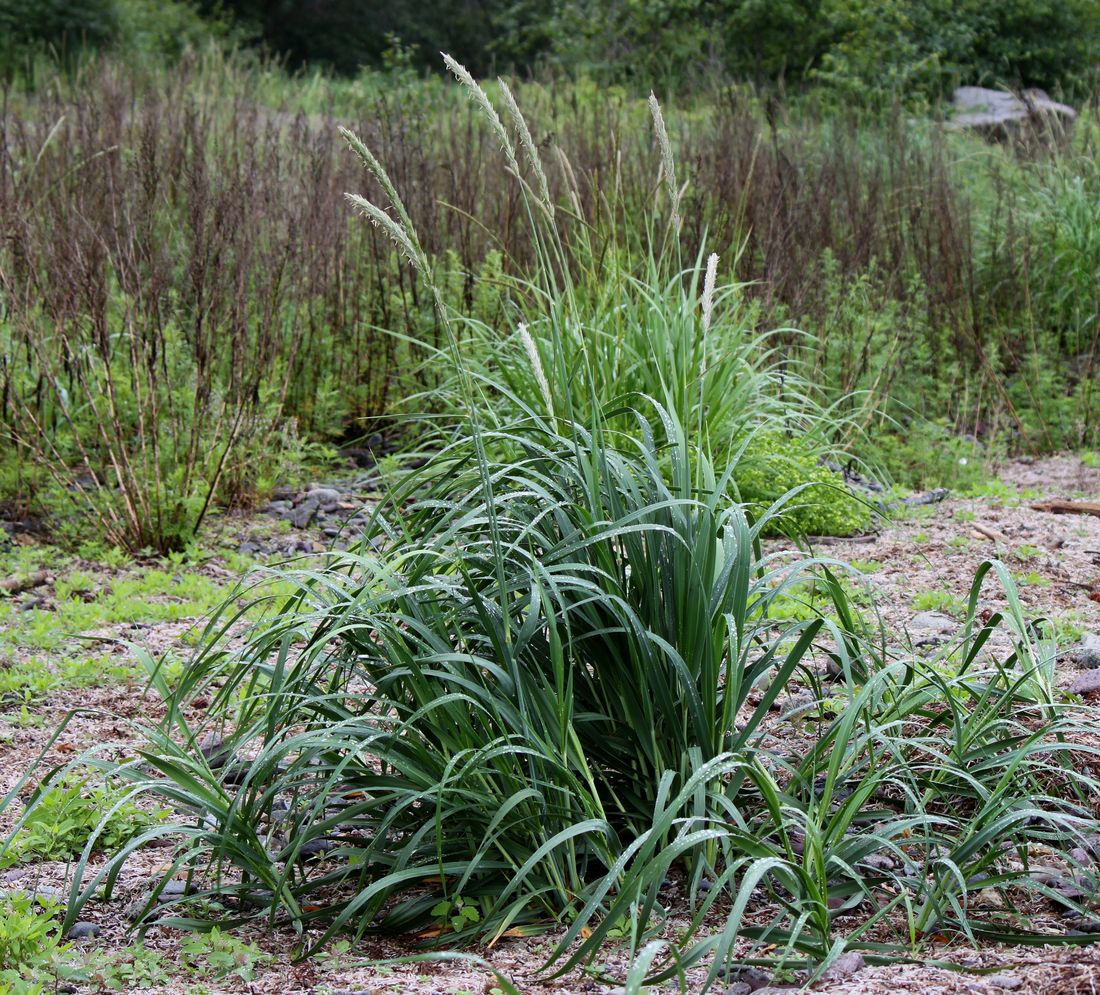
745, 974
248, 548
301, 516
1009, 982
82, 931
933, 622
879, 862
1087, 683
1088, 653
172, 889
738, 988
277, 507
331, 531
845, 966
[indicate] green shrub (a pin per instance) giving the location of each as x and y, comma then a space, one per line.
821, 503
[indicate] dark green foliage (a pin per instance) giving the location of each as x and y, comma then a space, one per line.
346, 35
63, 30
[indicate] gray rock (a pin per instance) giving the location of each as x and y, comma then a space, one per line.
82, 931
933, 623
1088, 653
845, 966
327, 497
1086, 683
879, 862
301, 516
331, 531
1009, 982
172, 889
277, 507
738, 988
999, 115
753, 977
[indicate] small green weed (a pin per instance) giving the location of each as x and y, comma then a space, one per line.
457, 914
217, 954
28, 936
62, 817
939, 601
129, 969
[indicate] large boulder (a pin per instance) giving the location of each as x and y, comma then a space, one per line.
999, 115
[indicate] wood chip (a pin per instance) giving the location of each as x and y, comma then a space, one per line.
1068, 507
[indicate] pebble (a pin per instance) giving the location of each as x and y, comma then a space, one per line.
1086, 683
933, 622
738, 988
1009, 982
82, 931
752, 977
1088, 653
301, 516
845, 966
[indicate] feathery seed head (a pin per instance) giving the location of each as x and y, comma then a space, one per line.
708, 289
395, 232
667, 163
462, 74
536, 364
528, 143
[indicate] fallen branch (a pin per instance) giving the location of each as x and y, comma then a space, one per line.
1068, 507
17, 585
